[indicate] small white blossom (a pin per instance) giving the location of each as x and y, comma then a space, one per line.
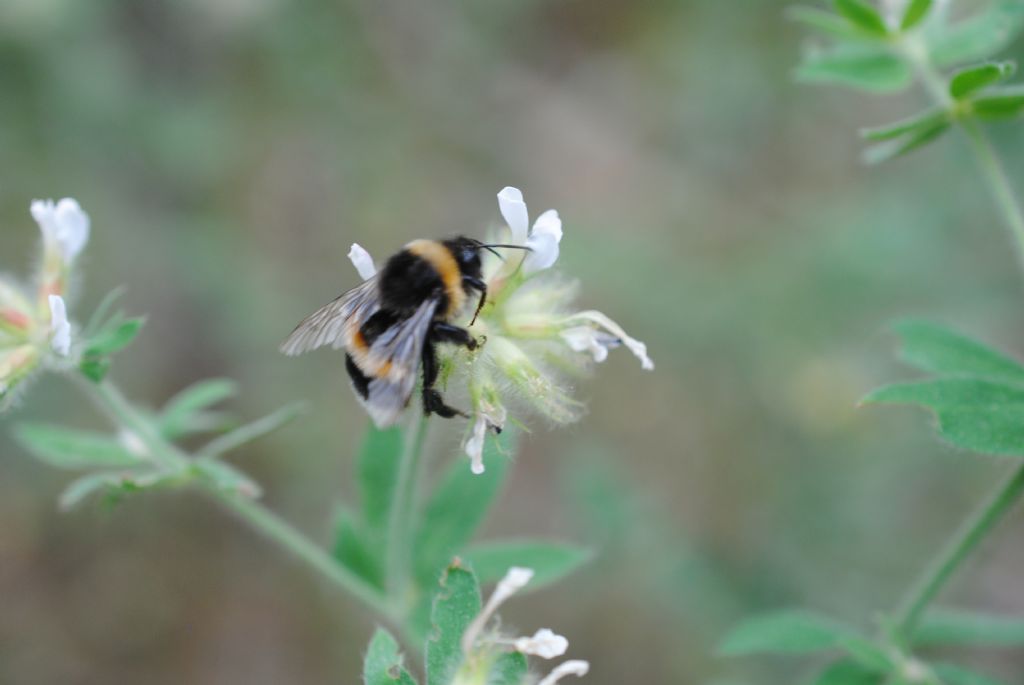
543, 240
516, 578
575, 667
363, 262
545, 643
486, 417
60, 327
577, 340
63, 224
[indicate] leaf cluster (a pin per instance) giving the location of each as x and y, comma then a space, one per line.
859, 659
869, 53
447, 522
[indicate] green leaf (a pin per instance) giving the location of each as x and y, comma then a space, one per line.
378, 476
353, 549
972, 79
117, 482
242, 435
979, 37
867, 69
892, 149
509, 668
457, 508
383, 664
867, 653
94, 369
785, 632
937, 349
1002, 103
946, 627
180, 414
113, 338
997, 430
915, 13
861, 14
456, 604
914, 124
948, 392
227, 478
848, 672
550, 561
955, 675
73, 449
828, 23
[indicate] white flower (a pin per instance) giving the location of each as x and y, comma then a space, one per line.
576, 667
598, 341
543, 240
544, 643
64, 225
60, 327
362, 261
516, 578
486, 417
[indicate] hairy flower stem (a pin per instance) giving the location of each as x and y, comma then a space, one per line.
956, 550
166, 455
1009, 490
400, 517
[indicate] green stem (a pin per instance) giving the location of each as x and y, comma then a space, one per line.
166, 455
997, 179
967, 537
956, 550
400, 517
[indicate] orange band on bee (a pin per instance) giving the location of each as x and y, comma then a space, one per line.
441, 258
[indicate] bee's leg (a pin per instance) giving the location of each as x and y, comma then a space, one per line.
449, 333
479, 285
433, 403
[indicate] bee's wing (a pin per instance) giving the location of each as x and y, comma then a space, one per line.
395, 356
335, 322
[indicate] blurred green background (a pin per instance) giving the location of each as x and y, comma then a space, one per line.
229, 151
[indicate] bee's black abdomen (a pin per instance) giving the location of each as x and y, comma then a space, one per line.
359, 380
381, 320
407, 280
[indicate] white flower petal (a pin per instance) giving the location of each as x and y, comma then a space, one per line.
59, 326
513, 581
576, 667
543, 242
73, 226
513, 209
638, 349
475, 445
589, 339
64, 225
362, 261
545, 643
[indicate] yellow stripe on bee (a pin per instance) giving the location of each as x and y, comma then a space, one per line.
441, 258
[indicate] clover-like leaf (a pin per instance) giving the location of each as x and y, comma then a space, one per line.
972, 79
829, 24
1001, 103
862, 15
940, 350
913, 140
915, 12
941, 627
792, 631
979, 37
383, 662
69, 448
862, 67
911, 125
456, 604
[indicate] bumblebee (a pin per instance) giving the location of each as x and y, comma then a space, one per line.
392, 323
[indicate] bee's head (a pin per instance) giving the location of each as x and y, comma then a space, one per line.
467, 254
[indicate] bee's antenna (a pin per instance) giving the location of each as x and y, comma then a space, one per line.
512, 247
